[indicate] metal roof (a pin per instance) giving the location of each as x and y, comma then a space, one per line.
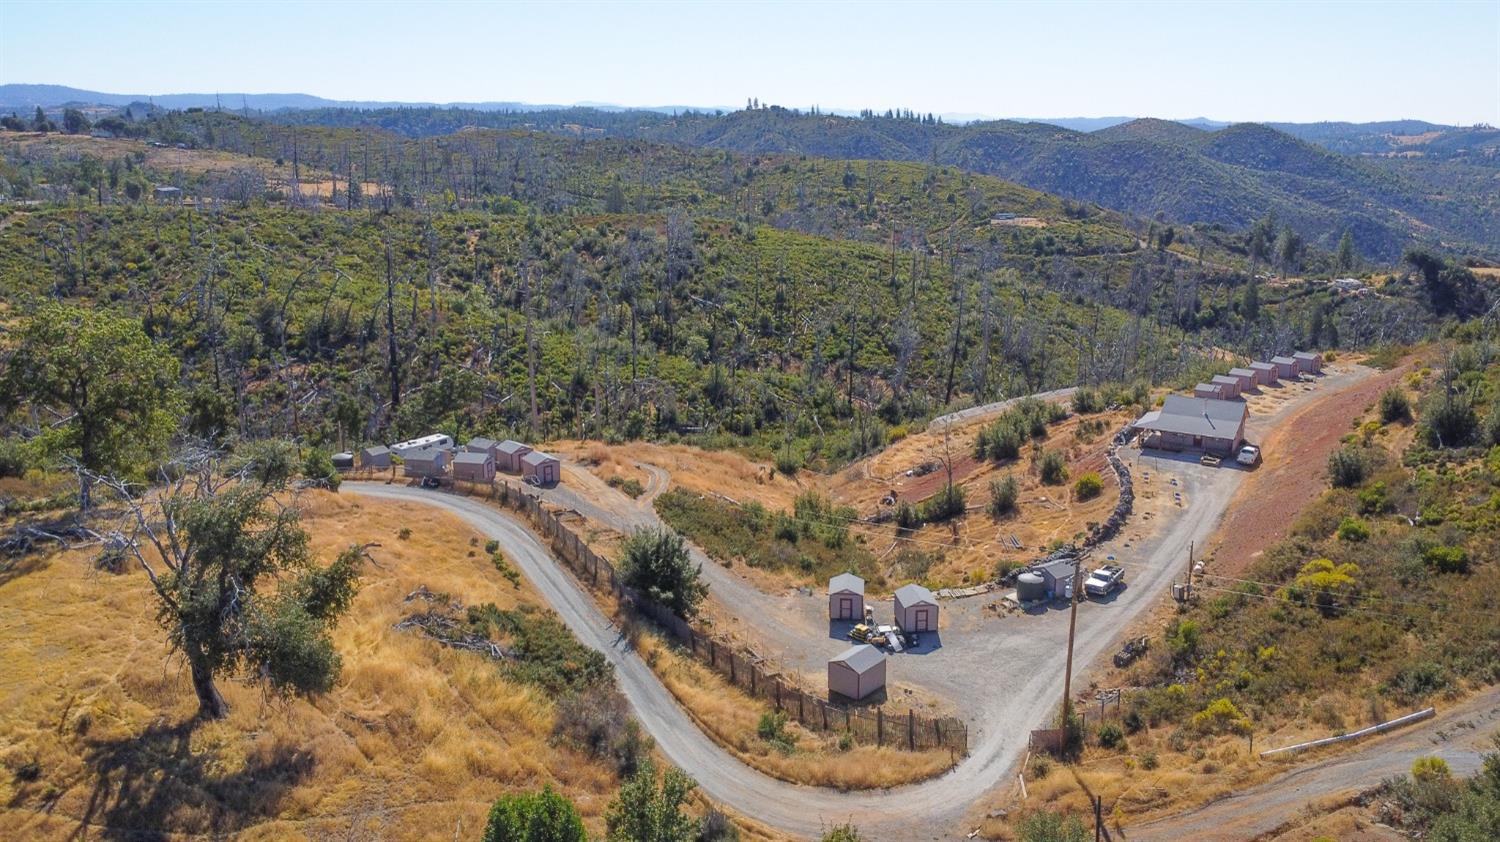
1207, 387
1263, 366
1283, 361
914, 593
1224, 378
425, 454
536, 457
846, 582
471, 457
1242, 372
1195, 417
1305, 355
376, 450
861, 658
482, 443
512, 446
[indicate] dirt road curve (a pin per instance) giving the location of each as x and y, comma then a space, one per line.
1006, 676
1021, 672
1461, 736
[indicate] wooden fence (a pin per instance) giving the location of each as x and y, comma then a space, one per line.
752, 674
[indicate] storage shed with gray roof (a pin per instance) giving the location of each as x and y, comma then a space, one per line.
857, 672
916, 609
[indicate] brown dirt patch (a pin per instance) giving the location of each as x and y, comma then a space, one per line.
1291, 475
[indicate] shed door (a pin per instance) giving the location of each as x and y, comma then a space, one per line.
921, 619
846, 607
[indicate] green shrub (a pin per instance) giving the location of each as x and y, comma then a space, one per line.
1353, 529
906, 516
843, 833
534, 817
656, 563
629, 486
1053, 468
1088, 486
1372, 500
13, 458
1003, 494
404, 533
1047, 826
648, 809
772, 729
1395, 405
1149, 761
1220, 716
491, 546
1087, 402
317, 465
1450, 421
1346, 467
1426, 769
1110, 735
948, 503
1447, 559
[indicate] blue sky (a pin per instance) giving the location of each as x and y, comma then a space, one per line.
1295, 61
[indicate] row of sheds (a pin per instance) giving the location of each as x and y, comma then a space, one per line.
476, 461
1240, 380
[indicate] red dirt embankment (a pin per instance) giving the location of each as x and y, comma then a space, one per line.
1292, 475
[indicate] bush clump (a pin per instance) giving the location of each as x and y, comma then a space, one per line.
1088, 486
946, 504
1353, 529
534, 817
1395, 405
1003, 494
656, 563
1347, 467
1053, 468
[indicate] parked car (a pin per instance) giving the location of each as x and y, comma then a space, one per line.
1248, 455
1105, 580
431, 482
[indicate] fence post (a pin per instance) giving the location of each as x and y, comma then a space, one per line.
778, 694
801, 706
879, 727
911, 730
824, 709
733, 679
753, 671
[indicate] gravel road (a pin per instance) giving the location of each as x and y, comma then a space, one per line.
1461, 736
1006, 675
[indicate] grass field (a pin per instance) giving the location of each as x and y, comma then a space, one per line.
414, 742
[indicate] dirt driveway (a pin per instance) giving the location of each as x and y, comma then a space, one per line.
1291, 474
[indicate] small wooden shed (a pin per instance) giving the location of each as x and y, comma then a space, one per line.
1246, 378
1056, 574
1286, 367
1229, 387
916, 609
857, 672
375, 457
483, 445
1265, 373
1211, 391
541, 468
474, 466
846, 597
1308, 362
508, 455
426, 462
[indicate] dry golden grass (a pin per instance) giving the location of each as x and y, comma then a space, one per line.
1181, 780
702, 471
731, 716
414, 742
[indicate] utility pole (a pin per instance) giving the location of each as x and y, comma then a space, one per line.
1189, 594
1067, 706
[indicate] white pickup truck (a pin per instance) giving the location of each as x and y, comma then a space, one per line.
1103, 581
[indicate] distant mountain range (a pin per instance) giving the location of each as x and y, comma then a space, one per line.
1388, 184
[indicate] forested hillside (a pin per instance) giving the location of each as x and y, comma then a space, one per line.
351, 284
1436, 189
